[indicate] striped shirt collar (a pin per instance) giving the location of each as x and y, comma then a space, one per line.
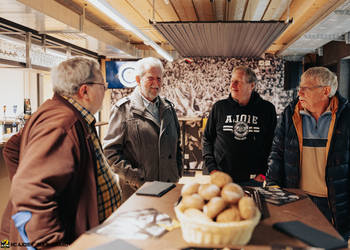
108, 193
86, 114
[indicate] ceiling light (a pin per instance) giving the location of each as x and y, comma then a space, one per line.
112, 13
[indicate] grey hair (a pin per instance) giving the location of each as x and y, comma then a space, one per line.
147, 63
69, 75
324, 76
248, 72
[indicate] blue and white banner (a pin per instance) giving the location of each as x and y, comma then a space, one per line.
120, 75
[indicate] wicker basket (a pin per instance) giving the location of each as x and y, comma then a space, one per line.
209, 233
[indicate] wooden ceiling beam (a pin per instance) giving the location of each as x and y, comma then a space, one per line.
219, 8
165, 12
204, 10
276, 9
305, 14
185, 10
67, 16
141, 12
255, 10
236, 10
138, 13
132, 14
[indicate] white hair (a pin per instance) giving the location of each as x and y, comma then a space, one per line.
69, 75
324, 76
147, 63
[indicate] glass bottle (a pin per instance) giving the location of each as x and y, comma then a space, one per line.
14, 124
4, 120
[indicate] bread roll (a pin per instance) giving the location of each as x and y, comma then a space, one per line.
232, 192
190, 188
214, 207
208, 191
196, 214
247, 207
193, 201
220, 179
182, 206
228, 215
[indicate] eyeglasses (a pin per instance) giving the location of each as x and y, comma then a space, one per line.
98, 83
310, 88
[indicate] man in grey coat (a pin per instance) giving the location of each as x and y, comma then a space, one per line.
143, 138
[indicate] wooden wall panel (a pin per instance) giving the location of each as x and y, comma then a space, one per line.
255, 10
204, 10
185, 10
276, 9
236, 10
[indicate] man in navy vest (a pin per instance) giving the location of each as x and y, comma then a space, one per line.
311, 147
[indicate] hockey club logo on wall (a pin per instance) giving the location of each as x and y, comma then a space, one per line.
120, 74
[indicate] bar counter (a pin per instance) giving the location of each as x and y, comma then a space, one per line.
264, 235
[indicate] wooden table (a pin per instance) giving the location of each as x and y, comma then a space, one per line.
264, 235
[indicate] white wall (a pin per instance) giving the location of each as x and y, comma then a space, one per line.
15, 85
45, 87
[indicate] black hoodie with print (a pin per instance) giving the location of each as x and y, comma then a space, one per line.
237, 139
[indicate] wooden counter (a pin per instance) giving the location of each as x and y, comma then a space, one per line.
263, 237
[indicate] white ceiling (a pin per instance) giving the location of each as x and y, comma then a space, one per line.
332, 27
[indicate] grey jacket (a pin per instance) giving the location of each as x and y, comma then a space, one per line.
138, 148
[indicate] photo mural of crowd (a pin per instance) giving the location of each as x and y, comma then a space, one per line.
195, 84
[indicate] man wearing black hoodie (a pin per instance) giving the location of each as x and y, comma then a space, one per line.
238, 134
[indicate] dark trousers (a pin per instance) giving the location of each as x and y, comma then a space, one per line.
251, 183
322, 204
